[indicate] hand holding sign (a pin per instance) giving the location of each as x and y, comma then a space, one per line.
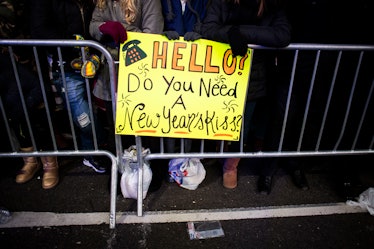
237, 42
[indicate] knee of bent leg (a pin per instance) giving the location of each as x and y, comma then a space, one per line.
84, 122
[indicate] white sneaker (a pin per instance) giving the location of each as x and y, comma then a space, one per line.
89, 162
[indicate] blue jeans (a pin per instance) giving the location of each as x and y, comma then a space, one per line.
77, 96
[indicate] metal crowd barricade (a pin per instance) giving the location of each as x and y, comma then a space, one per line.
57, 45
344, 66
353, 129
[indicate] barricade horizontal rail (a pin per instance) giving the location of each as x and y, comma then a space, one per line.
335, 82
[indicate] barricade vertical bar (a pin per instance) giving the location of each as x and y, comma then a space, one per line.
363, 115
327, 107
139, 153
119, 151
113, 195
89, 99
7, 125
288, 100
349, 102
162, 145
61, 66
306, 111
46, 104
22, 97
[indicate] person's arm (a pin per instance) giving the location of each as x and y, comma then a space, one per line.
109, 14
152, 19
275, 31
96, 21
213, 27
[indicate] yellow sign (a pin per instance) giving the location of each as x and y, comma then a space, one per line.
180, 89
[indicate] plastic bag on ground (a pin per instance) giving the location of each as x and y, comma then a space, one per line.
129, 178
187, 172
365, 200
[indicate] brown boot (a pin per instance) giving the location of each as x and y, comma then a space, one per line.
30, 167
230, 173
50, 176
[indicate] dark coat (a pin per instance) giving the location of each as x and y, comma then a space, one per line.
61, 19
9, 91
272, 30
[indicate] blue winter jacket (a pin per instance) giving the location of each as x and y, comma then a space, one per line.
189, 21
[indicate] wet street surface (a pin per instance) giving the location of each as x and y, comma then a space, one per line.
75, 214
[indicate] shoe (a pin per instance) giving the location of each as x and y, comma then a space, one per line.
299, 180
28, 170
90, 162
230, 173
51, 174
264, 184
30, 167
230, 179
351, 187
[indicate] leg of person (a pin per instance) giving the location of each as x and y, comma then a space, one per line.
77, 96
296, 170
15, 112
260, 123
265, 179
230, 166
31, 164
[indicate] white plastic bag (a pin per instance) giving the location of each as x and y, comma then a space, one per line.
129, 179
365, 200
187, 172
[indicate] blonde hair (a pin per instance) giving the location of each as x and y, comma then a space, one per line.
128, 8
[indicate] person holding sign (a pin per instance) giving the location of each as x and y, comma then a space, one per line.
183, 18
110, 21
239, 23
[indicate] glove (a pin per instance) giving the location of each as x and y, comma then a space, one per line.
237, 42
115, 30
79, 37
90, 66
192, 36
171, 35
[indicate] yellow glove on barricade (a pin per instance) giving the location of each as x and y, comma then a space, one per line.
89, 67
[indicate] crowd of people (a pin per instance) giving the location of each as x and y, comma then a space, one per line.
272, 23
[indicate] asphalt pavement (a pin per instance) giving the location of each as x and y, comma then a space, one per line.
287, 218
